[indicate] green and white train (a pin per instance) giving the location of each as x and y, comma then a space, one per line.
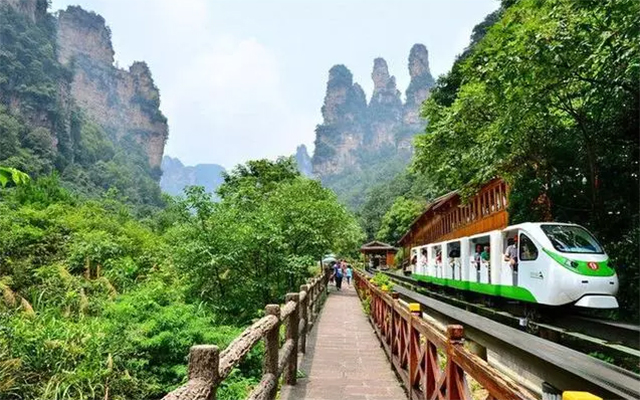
558, 264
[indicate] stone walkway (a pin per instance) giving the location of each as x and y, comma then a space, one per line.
344, 359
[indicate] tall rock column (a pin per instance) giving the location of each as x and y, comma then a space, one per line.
421, 83
125, 103
385, 107
341, 133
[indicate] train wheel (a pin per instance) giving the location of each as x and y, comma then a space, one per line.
531, 316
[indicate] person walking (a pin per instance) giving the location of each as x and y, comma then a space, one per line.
338, 275
349, 274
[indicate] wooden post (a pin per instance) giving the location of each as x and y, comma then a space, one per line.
394, 331
204, 361
291, 370
477, 349
271, 347
304, 317
456, 382
549, 392
414, 351
310, 297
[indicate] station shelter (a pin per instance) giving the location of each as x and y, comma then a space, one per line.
378, 254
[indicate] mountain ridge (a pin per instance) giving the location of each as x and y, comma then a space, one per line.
359, 143
176, 176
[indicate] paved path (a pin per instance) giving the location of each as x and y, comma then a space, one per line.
344, 360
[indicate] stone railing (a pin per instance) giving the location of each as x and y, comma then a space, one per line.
208, 366
431, 363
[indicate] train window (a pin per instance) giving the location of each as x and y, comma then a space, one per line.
572, 239
528, 250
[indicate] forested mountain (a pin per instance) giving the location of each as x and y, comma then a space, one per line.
360, 143
176, 177
65, 107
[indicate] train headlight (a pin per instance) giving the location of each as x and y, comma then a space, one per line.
571, 263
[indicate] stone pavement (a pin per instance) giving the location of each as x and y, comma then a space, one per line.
344, 359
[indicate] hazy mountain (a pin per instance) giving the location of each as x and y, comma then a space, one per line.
175, 176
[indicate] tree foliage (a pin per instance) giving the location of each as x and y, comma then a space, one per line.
548, 99
398, 219
12, 175
94, 300
257, 242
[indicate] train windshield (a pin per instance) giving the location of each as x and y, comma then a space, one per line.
572, 239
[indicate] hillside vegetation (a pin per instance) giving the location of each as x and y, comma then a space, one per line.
99, 304
43, 129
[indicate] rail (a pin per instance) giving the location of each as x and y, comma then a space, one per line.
208, 367
554, 363
416, 347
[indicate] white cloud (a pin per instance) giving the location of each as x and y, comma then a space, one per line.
235, 91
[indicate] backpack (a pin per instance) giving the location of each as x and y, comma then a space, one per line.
338, 272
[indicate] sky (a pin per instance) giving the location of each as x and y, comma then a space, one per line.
241, 80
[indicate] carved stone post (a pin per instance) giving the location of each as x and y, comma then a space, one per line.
271, 347
305, 318
291, 370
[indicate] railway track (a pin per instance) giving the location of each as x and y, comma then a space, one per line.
555, 354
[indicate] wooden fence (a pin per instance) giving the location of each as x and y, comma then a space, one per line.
208, 367
415, 349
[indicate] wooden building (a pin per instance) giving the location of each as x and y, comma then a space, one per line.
447, 217
382, 254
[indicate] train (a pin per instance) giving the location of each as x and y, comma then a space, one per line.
558, 264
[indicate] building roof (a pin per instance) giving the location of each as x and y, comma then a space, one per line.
435, 204
377, 245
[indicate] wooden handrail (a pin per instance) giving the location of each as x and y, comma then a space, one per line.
414, 348
208, 367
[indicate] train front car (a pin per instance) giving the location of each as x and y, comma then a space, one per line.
578, 267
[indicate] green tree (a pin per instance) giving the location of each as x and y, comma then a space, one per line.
257, 243
548, 99
398, 219
12, 175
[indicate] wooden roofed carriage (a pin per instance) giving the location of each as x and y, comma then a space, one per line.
447, 217
379, 253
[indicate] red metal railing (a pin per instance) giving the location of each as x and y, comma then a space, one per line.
432, 364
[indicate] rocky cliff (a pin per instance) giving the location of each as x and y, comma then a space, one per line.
64, 105
125, 103
32, 9
304, 161
356, 139
344, 127
421, 83
175, 176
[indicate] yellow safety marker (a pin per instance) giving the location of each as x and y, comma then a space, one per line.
414, 307
579, 396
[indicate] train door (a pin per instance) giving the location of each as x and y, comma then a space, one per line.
509, 275
465, 266
532, 273
436, 261
413, 261
452, 261
421, 264
431, 268
479, 256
